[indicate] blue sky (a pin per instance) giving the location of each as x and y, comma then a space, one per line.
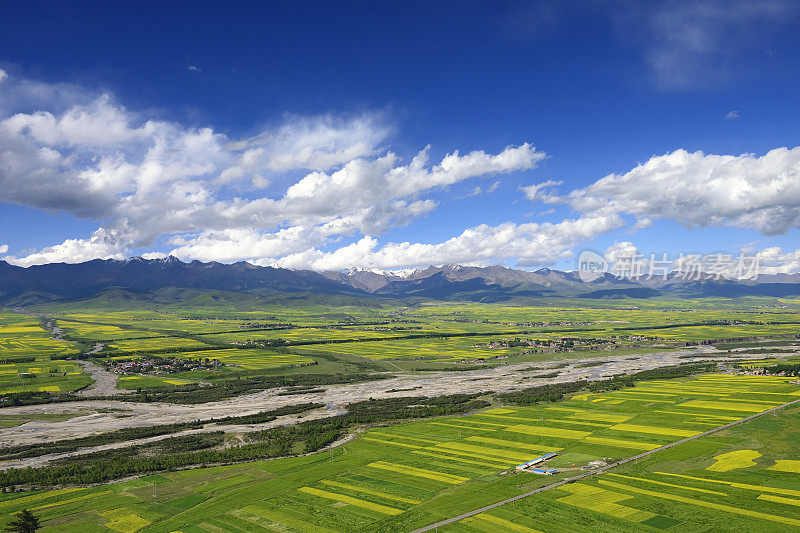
144, 128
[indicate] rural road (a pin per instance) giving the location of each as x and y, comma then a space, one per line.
598, 471
99, 416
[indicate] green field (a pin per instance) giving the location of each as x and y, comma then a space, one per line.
404, 476
142, 382
23, 336
744, 479
328, 329
251, 359
319, 328
25, 358
234, 359
100, 332
449, 349
42, 376
155, 344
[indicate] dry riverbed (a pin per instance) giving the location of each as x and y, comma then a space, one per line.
111, 415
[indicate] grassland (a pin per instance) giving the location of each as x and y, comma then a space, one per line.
399, 477
100, 332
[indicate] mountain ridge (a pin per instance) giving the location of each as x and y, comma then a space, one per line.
74, 281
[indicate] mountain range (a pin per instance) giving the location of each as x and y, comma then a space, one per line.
60, 282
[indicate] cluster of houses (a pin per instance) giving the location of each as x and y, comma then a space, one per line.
160, 365
551, 344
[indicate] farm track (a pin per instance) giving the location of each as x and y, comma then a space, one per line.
599, 470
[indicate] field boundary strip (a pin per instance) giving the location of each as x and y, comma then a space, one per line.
600, 470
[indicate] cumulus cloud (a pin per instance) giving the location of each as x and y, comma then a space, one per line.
697, 189
101, 245
142, 178
230, 245
3, 248
528, 244
316, 143
774, 260
542, 192
620, 251
317, 192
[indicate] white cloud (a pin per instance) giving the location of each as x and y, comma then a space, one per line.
696, 43
99, 123
542, 192
478, 190
193, 68
260, 182
142, 178
289, 195
315, 143
153, 255
297, 247
3, 75
732, 114
241, 243
267, 248
3, 248
696, 189
774, 260
627, 261
621, 250
101, 245
525, 244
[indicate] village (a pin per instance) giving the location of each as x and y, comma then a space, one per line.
161, 365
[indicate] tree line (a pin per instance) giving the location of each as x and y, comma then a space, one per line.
557, 391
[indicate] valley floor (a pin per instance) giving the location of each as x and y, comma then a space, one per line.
409, 475
99, 416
